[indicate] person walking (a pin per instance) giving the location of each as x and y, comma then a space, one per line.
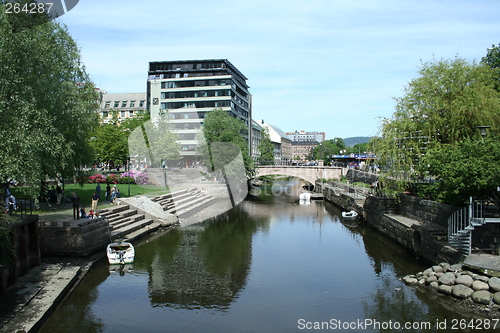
75, 200
95, 199
108, 192
59, 194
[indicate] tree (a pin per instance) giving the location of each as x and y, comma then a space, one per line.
327, 148
218, 126
467, 168
266, 147
110, 144
492, 60
47, 101
442, 106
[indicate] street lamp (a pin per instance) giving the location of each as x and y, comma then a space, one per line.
482, 130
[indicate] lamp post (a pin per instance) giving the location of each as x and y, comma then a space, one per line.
482, 130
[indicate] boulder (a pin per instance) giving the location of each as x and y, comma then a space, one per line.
427, 271
410, 280
447, 278
437, 269
461, 291
494, 284
444, 289
465, 280
496, 297
445, 266
455, 267
482, 278
431, 279
435, 285
481, 297
480, 285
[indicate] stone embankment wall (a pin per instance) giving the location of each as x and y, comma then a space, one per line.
25, 238
417, 225
84, 239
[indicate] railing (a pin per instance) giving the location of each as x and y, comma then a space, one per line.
24, 206
462, 222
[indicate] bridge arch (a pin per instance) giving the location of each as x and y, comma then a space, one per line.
309, 173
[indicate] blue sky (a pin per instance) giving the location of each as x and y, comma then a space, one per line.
316, 65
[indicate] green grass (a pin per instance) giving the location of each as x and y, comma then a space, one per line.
85, 193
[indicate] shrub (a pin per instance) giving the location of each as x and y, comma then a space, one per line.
97, 178
112, 179
138, 177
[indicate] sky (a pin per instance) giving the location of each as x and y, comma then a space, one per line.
315, 65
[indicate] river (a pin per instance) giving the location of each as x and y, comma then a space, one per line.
269, 265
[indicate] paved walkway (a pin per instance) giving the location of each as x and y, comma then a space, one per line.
33, 298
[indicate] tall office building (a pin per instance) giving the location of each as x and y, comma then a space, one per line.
188, 89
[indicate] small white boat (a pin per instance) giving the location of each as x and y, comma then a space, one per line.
352, 215
120, 253
305, 196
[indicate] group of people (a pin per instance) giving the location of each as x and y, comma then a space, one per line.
111, 194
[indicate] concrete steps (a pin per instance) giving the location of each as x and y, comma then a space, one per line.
123, 220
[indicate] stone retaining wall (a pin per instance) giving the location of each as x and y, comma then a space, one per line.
74, 240
425, 210
25, 238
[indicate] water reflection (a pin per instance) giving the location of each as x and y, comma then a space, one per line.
258, 268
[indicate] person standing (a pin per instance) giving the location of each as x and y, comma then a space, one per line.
75, 200
108, 192
59, 194
98, 190
95, 199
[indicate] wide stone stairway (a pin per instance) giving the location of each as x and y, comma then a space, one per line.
126, 221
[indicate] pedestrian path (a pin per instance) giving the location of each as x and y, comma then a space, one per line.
28, 303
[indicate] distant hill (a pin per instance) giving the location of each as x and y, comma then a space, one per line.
349, 142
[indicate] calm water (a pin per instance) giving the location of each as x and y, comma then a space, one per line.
270, 265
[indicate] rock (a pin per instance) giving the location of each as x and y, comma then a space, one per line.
481, 297
494, 284
437, 269
422, 281
480, 285
455, 268
461, 291
410, 280
447, 278
428, 271
496, 297
482, 278
445, 266
439, 274
465, 280
445, 289
435, 285
431, 279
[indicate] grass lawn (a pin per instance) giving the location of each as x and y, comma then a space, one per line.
85, 193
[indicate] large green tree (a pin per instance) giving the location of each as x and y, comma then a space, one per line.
47, 101
266, 147
218, 126
443, 106
492, 60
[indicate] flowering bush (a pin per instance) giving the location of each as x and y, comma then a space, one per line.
139, 177
97, 178
112, 179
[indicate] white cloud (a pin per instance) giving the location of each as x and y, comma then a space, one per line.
310, 65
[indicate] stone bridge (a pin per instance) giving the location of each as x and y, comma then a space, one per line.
307, 173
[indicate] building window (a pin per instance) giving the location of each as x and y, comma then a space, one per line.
124, 104
122, 114
116, 104
108, 103
132, 104
131, 113
141, 104
105, 114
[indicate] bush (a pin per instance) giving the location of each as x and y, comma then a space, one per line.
97, 178
127, 180
112, 179
138, 177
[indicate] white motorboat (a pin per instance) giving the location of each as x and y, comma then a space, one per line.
305, 196
120, 253
351, 215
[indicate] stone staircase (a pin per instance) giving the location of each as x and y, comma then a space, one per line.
184, 202
126, 222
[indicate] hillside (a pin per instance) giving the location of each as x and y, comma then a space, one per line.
349, 142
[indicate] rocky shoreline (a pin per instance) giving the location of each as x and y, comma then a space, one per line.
479, 293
